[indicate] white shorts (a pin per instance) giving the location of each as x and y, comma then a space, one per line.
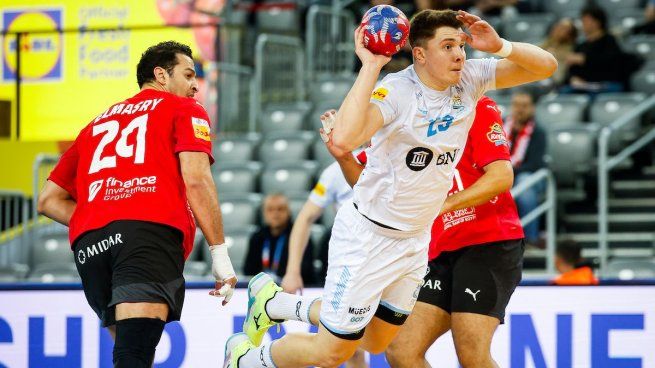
371, 271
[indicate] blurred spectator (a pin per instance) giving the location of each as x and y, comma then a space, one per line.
570, 265
648, 27
268, 250
527, 144
598, 64
495, 8
561, 42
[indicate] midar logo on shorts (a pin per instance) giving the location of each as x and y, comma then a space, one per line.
99, 247
94, 188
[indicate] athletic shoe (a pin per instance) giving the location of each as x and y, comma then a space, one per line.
261, 289
236, 347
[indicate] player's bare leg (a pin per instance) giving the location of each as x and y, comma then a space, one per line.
423, 327
472, 334
358, 360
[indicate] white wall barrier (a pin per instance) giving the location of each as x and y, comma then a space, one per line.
560, 327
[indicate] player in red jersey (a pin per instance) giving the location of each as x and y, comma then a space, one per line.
128, 189
476, 251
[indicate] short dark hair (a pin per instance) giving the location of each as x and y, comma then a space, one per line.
569, 251
425, 23
163, 54
597, 13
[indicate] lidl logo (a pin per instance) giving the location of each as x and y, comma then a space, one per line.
40, 52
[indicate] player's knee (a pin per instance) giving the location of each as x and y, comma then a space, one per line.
472, 356
333, 357
400, 358
136, 341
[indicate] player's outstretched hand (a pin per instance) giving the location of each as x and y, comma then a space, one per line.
482, 36
223, 272
292, 283
365, 55
327, 120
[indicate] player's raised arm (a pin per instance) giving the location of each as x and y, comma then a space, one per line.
357, 119
522, 63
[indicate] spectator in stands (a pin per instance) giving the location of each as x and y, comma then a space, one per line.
569, 263
598, 64
527, 143
561, 42
268, 250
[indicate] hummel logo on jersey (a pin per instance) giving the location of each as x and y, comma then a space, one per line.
256, 319
440, 124
474, 295
94, 188
418, 158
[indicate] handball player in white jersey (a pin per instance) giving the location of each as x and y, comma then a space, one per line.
417, 120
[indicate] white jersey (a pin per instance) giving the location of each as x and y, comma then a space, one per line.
332, 187
411, 161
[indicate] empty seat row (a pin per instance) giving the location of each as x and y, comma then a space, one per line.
279, 177
276, 147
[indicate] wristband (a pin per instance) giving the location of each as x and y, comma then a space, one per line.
505, 50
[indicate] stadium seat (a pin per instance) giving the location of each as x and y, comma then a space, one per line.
278, 19
237, 239
621, 21
284, 117
288, 177
240, 209
51, 247
332, 90
609, 107
196, 270
13, 273
644, 45
643, 81
237, 177
571, 152
234, 150
561, 7
528, 27
611, 6
54, 272
630, 269
561, 108
321, 154
286, 146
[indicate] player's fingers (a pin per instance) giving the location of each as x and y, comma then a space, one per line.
466, 37
324, 136
228, 296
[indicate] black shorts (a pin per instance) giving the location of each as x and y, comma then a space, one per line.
476, 279
129, 262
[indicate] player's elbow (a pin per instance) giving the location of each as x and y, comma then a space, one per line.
45, 203
195, 181
548, 66
342, 142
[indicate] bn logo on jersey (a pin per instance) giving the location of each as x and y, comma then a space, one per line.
418, 158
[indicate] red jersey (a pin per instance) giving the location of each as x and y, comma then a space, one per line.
493, 221
124, 164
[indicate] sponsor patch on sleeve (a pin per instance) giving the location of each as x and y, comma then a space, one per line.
201, 128
380, 94
319, 189
496, 135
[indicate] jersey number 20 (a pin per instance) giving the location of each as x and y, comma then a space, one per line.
110, 128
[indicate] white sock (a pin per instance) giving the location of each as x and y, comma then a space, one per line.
286, 306
259, 357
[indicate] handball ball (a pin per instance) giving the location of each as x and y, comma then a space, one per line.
385, 29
